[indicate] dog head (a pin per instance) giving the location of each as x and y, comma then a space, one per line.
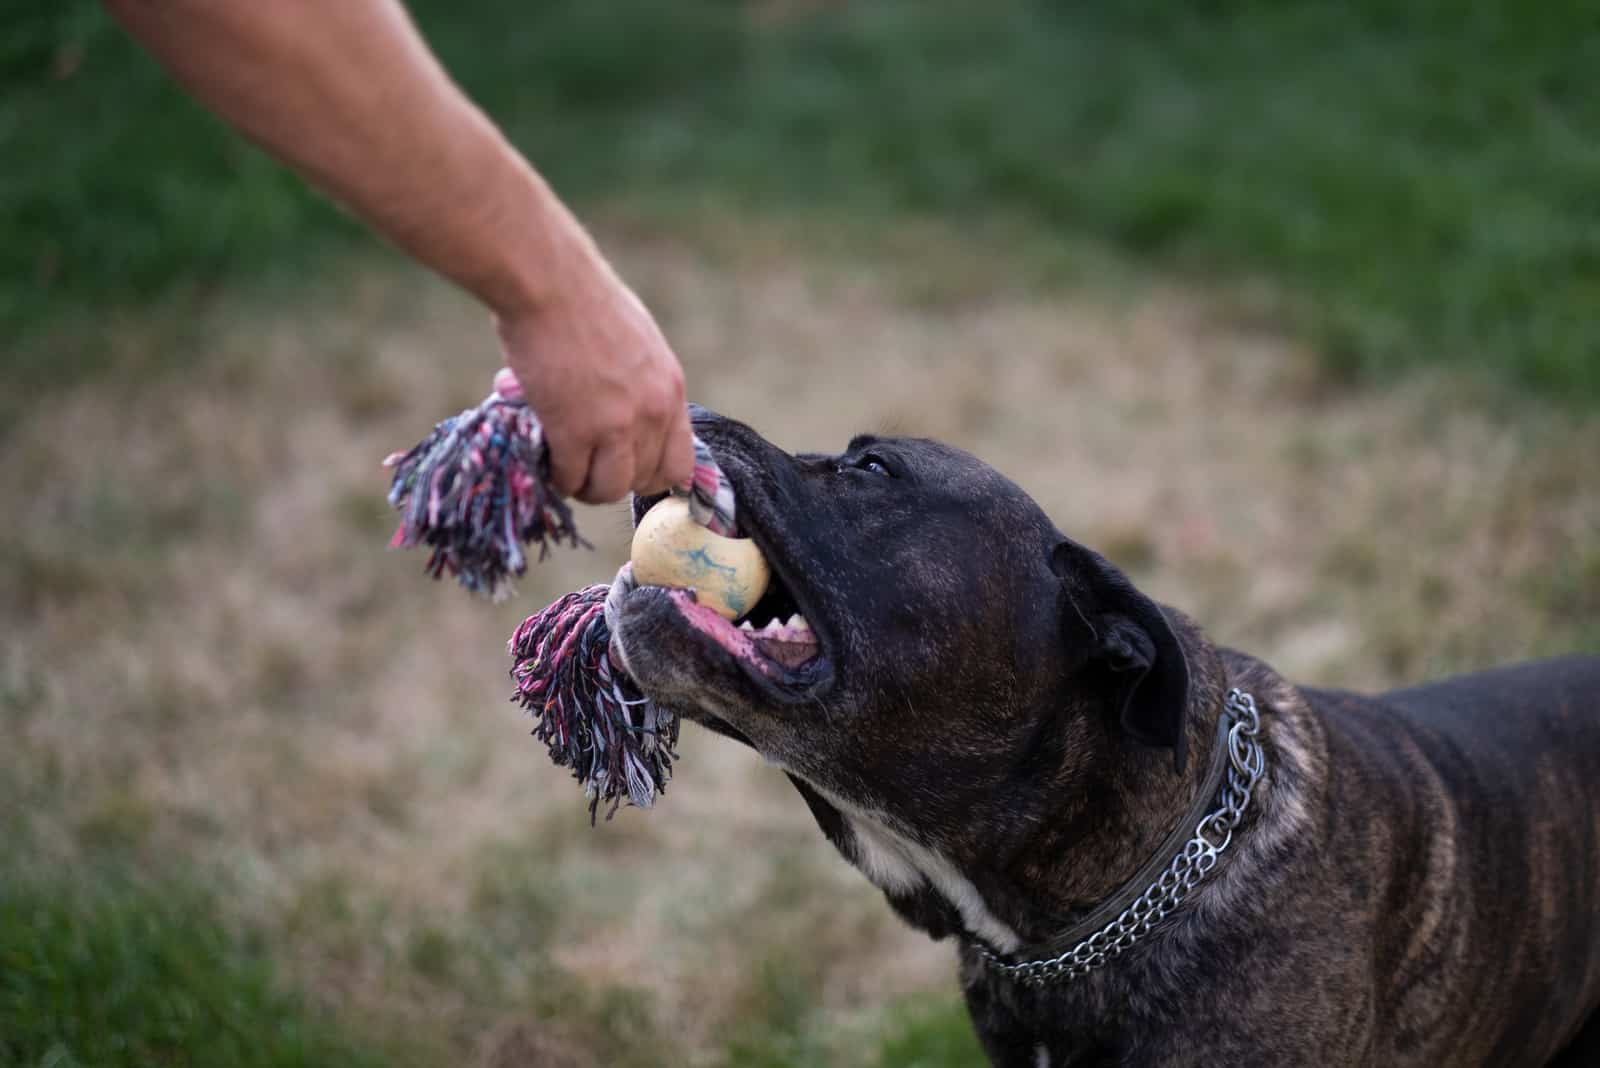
960, 664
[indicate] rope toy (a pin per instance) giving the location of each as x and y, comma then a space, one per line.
478, 489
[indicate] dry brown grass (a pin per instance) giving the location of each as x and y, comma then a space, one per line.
210, 659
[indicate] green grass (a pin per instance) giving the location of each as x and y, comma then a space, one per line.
101, 967
106, 971
1415, 178
921, 1032
935, 1034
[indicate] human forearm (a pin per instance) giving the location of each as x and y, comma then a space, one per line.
348, 94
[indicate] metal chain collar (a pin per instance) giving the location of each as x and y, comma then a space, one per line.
1212, 836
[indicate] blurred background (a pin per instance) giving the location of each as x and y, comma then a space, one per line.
1290, 308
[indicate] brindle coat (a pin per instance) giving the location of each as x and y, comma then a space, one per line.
1002, 730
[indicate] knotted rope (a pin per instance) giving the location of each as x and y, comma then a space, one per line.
477, 490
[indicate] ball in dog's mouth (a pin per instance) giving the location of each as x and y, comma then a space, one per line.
717, 581
728, 575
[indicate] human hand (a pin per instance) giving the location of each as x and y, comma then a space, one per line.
606, 387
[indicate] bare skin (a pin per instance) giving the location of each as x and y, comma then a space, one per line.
349, 95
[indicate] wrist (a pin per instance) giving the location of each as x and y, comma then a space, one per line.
543, 254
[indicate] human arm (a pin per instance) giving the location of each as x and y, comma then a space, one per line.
349, 95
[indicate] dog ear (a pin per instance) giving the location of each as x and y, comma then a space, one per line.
1128, 636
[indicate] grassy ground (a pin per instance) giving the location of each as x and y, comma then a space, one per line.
258, 771
109, 973
210, 669
1409, 181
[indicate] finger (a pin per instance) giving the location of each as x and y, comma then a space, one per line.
675, 464
677, 467
652, 448
569, 465
647, 462
610, 474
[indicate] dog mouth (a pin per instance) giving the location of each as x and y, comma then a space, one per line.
777, 644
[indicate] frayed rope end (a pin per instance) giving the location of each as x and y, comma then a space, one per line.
476, 490
618, 743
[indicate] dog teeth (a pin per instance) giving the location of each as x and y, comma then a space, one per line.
794, 629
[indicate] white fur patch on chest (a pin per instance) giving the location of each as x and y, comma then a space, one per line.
897, 864
882, 857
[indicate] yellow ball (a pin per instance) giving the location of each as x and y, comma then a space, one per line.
728, 575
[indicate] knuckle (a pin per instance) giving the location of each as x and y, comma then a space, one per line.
611, 425
663, 399
568, 474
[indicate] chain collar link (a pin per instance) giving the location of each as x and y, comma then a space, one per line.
1212, 836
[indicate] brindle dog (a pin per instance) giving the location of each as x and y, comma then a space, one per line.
1001, 732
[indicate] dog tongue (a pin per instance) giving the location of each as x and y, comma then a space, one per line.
791, 654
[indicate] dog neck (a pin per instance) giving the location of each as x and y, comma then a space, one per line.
1091, 840
1099, 838
1190, 851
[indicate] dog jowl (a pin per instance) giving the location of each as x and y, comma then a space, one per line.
1009, 739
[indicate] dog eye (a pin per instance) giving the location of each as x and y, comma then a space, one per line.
874, 465
867, 462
